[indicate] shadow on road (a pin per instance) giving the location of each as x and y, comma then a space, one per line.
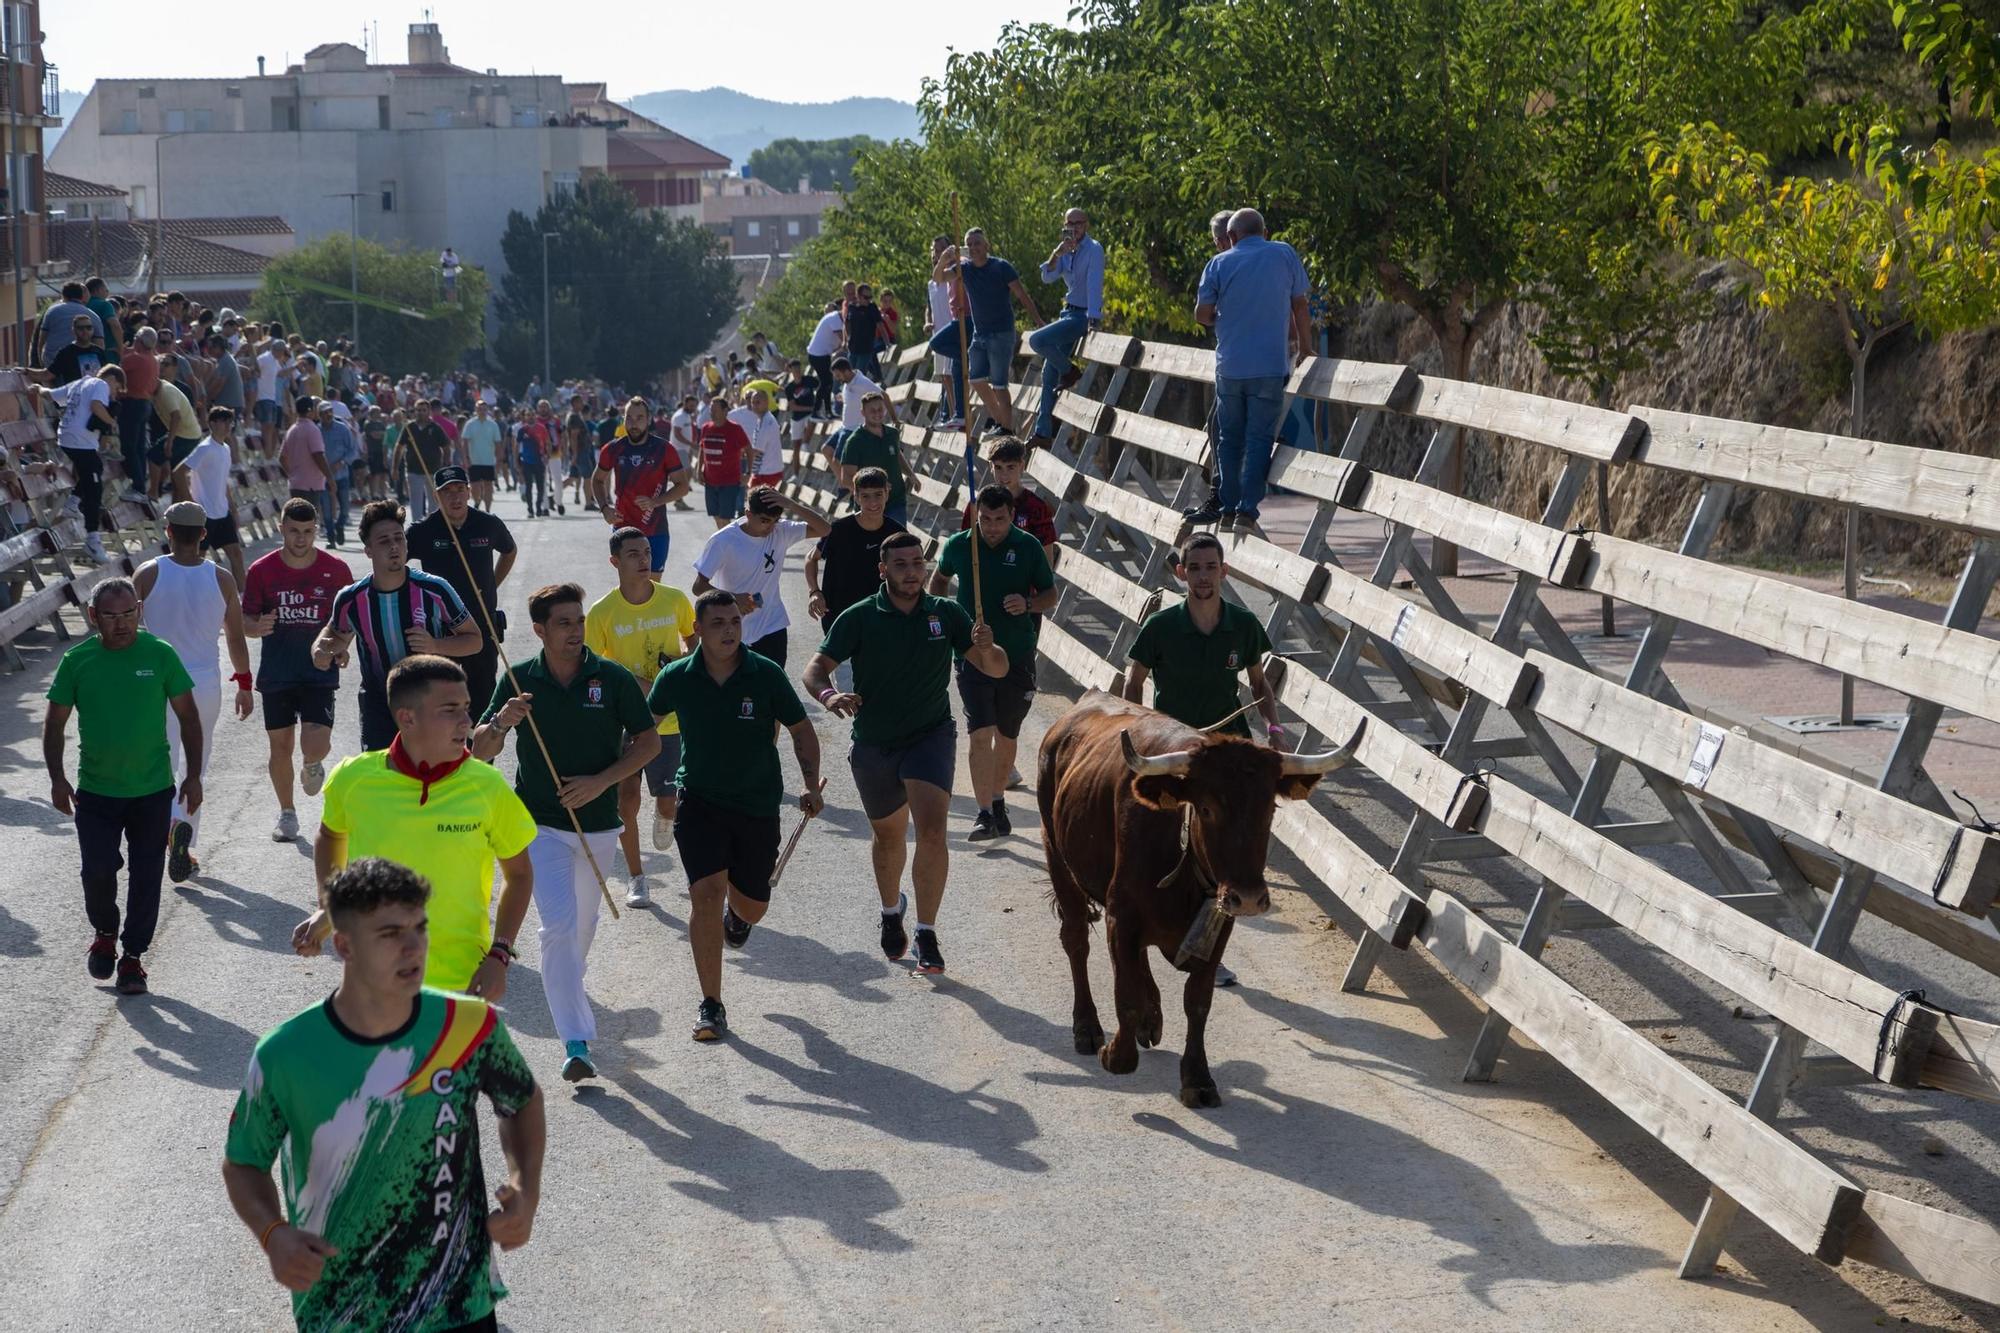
901, 1104
851, 974
245, 916
18, 939
747, 1178
187, 1042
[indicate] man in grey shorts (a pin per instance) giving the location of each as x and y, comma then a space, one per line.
901, 642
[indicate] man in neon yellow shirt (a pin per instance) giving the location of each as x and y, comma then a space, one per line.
642, 625
421, 804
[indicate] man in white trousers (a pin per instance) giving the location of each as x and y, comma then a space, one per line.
193, 605
593, 716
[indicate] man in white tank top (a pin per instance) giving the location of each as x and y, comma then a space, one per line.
192, 604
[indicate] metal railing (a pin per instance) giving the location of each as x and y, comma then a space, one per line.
51, 93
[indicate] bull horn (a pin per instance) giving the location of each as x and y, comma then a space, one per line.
1298, 765
1174, 762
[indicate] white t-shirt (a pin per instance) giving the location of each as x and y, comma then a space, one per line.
851, 395
208, 464
74, 431
268, 370
826, 337
738, 563
940, 304
766, 440
681, 428
449, 263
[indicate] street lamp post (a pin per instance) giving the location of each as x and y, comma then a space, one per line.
353, 198
545, 309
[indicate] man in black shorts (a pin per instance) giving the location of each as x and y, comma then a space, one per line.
730, 703
1017, 588
901, 641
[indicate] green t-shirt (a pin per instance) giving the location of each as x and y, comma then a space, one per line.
902, 663
1017, 565
106, 311
729, 743
858, 449
584, 724
1194, 674
378, 1140
120, 700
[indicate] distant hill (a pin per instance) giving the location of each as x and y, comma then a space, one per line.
737, 124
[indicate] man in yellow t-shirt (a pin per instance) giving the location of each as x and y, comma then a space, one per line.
421, 804
642, 625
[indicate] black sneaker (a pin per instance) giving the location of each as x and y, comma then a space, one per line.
895, 941
131, 976
982, 828
1003, 827
735, 930
711, 1021
180, 855
1208, 511
103, 956
929, 957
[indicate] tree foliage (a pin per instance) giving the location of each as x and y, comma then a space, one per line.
829, 163
390, 341
632, 294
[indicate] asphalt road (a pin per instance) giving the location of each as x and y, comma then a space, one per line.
870, 1148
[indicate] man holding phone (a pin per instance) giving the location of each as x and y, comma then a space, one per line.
1078, 260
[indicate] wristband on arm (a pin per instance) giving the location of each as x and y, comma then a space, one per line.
242, 679
826, 694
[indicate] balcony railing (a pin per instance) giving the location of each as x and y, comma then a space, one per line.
51, 93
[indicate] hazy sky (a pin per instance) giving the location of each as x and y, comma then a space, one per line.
795, 52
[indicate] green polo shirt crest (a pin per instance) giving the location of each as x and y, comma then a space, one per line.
902, 663
1194, 674
585, 724
729, 743
1016, 565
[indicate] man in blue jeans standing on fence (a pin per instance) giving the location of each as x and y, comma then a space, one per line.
1254, 296
991, 287
1078, 260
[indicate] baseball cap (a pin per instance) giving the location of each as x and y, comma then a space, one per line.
226, 315
186, 514
446, 476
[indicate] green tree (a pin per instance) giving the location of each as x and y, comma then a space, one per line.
432, 336
647, 293
828, 162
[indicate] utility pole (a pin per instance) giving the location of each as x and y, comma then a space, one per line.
545, 309
14, 206
353, 198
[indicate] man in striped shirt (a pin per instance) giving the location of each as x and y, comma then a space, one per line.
393, 613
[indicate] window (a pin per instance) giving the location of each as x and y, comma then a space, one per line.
177, 121
753, 228
388, 196
791, 226
128, 121
203, 121
527, 117
137, 195
561, 183
79, 211
381, 113
146, 90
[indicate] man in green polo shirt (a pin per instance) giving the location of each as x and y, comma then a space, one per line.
120, 683
1016, 587
905, 751
730, 702
591, 713
875, 443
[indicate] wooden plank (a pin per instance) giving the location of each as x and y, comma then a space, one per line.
1850, 818
1104, 584
1960, 1254
1350, 874
1099, 496
13, 381
1928, 485
1801, 1198
1322, 476
925, 391
1474, 662
23, 547
932, 491
25, 431
34, 608
1837, 1007
1188, 363
1963, 1058
1086, 414
1574, 428
1112, 349
1077, 662
912, 354
1353, 383
1272, 567
1953, 667
1517, 542
1187, 444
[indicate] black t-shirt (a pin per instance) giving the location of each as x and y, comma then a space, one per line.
429, 448
75, 361
849, 557
800, 395
483, 537
863, 322
374, 432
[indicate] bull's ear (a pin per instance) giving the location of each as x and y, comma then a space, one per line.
1297, 786
1161, 791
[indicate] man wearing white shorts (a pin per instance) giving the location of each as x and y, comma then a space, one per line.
192, 604
593, 716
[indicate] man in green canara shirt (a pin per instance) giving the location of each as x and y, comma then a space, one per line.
905, 750
591, 714
1016, 588
369, 1103
121, 683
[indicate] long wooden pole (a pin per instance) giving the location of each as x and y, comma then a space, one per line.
958, 281
493, 637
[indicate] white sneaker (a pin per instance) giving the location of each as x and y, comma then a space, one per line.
663, 833
72, 507
1223, 976
954, 423
287, 829
312, 777
93, 546
637, 892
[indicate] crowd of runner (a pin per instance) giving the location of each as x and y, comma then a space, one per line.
684, 697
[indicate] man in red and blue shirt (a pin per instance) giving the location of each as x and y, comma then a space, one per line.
646, 473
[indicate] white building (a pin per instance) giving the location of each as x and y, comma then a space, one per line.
437, 154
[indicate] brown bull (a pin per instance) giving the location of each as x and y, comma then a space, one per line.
1119, 783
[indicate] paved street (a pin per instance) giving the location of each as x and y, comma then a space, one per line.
870, 1148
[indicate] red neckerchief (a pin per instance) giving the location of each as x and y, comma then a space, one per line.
428, 774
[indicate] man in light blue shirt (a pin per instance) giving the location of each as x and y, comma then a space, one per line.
343, 450
481, 437
1254, 296
1079, 261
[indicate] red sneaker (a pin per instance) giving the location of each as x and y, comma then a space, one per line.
103, 956
131, 976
